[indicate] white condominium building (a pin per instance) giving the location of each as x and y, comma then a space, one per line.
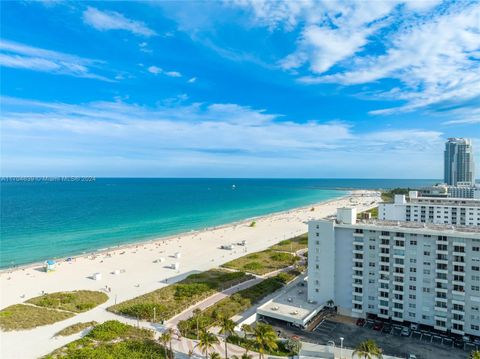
459, 191
453, 211
408, 272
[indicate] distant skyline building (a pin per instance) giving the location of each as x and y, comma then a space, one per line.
459, 162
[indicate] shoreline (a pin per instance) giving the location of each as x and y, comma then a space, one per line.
137, 269
158, 238
140, 267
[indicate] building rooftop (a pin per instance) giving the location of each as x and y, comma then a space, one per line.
447, 228
291, 305
448, 201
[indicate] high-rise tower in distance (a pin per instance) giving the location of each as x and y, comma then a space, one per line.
459, 162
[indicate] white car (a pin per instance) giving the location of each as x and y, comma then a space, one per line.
412, 356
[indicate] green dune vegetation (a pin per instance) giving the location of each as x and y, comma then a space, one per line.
388, 196
166, 302
75, 328
49, 308
113, 340
292, 245
234, 304
23, 316
262, 262
77, 301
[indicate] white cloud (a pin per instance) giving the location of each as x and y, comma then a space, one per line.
467, 115
144, 47
173, 73
111, 20
212, 136
192, 80
20, 56
155, 70
431, 49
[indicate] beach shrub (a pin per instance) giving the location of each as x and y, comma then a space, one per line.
113, 340
282, 257
21, 316
76, 301
183, 291
284, 277
75, 328
114, 329
294, 244
173, 299
265, 262
144, 310
253, 266
230, 306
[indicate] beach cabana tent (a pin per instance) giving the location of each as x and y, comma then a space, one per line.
50, 265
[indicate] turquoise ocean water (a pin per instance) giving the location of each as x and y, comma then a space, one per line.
49, 219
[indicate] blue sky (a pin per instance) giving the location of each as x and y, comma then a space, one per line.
237, 89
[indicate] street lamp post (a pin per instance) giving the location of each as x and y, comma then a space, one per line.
341, 347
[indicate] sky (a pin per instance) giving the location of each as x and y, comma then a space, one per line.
240, 88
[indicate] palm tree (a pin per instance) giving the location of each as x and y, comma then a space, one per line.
227, 326
244, 356
214, 355
206, 341
166, 338
475, 354
265, 338
246, 329
368, 349
196, 314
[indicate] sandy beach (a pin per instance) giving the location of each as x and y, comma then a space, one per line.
136, 269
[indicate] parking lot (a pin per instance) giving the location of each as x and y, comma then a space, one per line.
389, 337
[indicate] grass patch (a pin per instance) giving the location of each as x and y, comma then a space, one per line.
21, 316
293, 244
77, 301
235, 304
75, 328
173, 299
113, 340
262, 262
388, 196
373, 213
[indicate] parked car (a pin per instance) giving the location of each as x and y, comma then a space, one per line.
360, 322
378, 326
414, 326
387, 328
405, 332
412, 356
